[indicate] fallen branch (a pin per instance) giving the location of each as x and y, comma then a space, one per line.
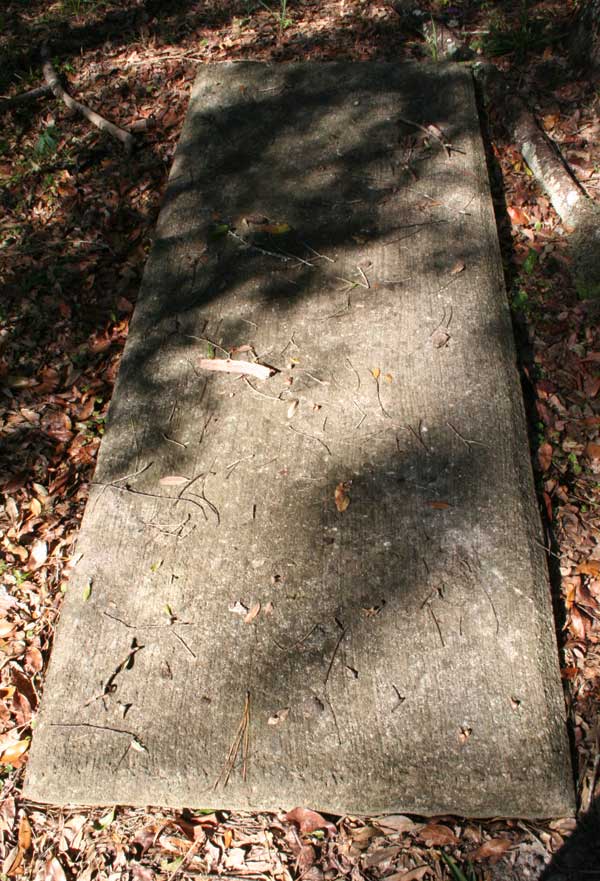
243, 368
8, 101
579, 214
53, 83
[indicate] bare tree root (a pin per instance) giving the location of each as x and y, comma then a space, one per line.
580, 214
12, 100
53, 82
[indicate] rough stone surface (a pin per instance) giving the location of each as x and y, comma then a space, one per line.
404, 655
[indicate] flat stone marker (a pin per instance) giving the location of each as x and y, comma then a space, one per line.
325, 587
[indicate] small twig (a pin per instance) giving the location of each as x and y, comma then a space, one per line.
366, 280
400, 697
109, 685
466, 441
312, 376
99, 728
352, 367
172, 440
299, 259
252, 247
430, 132
148, 626
298, 642
184, 644
343, 310
327, 699
311, 436
193, 846
491, 602
240, 739
383, 410
262, 394
128, 476
439, 629
547, 549
290, 342
316, 253
363, 416
418, 436
53, 82
445, 321
202, 495
335, 650
138, 492
230, 468
201, 339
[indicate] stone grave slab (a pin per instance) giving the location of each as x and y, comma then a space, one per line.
326, 587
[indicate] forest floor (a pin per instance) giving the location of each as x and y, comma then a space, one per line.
76, 225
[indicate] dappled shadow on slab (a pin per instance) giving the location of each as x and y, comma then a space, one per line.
368, 510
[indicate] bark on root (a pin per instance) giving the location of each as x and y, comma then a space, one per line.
579, 214
52, 80
24, 97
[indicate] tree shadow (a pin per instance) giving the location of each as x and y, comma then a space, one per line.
579, 858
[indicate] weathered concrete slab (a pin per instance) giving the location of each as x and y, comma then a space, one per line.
404, 655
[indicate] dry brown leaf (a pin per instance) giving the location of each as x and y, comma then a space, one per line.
576, 624
593, 450
397, 823
492, 850
13, 862
342, 499
517, 216
388, 378
22, 710
412, 874
245, 368
8, 811
438, 505
33, 660
361, 838
309, 821
35, 506
254, 610
53, 871
38, 555
6, 628
381, 855
464, 734
544, 456
437, 835
459, 266
24, 840
440, 338
173, 480
13, 755
141, 873
279, 717
72, 834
